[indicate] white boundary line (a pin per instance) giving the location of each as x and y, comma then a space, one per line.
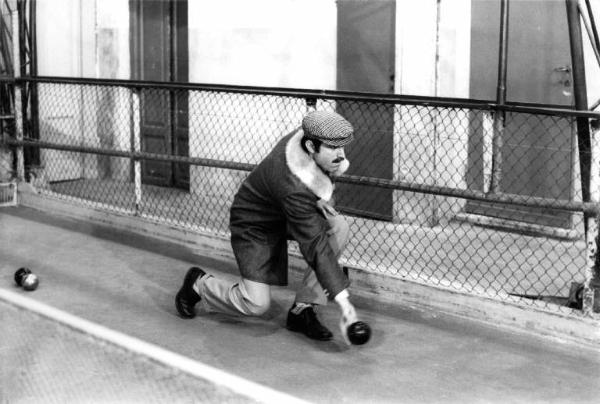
237, 384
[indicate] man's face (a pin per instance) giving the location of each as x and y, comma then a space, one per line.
328, 158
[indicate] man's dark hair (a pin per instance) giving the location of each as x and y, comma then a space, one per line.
316, 142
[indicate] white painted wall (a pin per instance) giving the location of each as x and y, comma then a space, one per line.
60, 52
69, 34
83, 38
267, 43
591, 63
273, 43
112, 32
431, 61
59, 38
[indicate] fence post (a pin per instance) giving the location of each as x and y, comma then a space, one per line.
591, 290
136, 147
434, 205
18, 102
580, 95
499, 115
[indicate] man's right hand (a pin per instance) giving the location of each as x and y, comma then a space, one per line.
348, 313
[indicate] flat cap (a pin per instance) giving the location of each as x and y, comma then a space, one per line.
328, 127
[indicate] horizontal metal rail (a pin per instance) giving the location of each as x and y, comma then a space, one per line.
501, 198
324, 94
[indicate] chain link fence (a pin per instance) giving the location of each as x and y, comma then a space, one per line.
435, 194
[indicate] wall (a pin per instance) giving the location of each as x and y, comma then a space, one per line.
111, 106
271, 43
91, 40
428, 147
267, 43
60, 53
592, 68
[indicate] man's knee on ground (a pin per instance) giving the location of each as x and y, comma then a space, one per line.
256, 301
258, 307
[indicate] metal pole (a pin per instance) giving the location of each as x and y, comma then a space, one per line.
137, 164
499, 116
580, 93
34, 153
591, 285
434, 218
589, 160
20, 162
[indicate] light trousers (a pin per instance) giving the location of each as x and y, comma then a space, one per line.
254, 298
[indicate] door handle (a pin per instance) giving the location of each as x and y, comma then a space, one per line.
563, 69
565, 79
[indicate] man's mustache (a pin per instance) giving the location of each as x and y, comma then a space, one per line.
338, 160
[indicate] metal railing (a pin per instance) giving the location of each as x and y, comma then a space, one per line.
419, 196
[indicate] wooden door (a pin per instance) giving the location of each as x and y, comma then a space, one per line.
365, 63
159, 53
537, 152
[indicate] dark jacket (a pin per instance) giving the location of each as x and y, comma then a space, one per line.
277, 202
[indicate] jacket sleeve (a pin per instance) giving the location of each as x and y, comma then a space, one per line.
309, 228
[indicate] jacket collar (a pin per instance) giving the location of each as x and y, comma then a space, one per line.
305, 168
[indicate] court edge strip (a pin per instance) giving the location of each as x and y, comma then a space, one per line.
219, 377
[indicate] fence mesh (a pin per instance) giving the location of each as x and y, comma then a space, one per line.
200, 144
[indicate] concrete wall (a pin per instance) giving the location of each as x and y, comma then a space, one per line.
270, 43
91, 40
592, 65
273, 43
432, 59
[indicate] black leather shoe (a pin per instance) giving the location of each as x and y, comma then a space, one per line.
187, 297
307, 323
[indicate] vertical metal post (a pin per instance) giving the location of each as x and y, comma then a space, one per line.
18, 97
499, 116
136, 146
434, 218
34, 152
591, 286
589, 163
487, 143
580, 93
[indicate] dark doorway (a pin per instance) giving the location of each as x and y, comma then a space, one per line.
365, 63
159, 52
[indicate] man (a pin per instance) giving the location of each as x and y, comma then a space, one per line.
287, 196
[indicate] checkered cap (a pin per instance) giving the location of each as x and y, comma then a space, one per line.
328, 127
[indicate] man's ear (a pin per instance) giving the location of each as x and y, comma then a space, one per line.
310, 146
